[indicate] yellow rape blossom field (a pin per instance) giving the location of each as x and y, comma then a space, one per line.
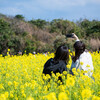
21, 79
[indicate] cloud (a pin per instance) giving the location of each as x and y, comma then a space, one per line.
95, 1
10, 11
56, 5
50, 5
43, 5
60, 4
49, 8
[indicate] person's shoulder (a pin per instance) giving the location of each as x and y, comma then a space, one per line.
49, 60
85, 55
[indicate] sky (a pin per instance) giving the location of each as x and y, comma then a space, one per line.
72, 10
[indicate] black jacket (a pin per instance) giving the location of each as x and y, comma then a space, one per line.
50, 66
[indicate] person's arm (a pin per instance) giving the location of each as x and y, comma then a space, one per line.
75, 36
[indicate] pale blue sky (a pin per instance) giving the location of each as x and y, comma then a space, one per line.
72, 10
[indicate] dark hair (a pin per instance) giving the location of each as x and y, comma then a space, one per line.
62, 53
99, 48
79, 49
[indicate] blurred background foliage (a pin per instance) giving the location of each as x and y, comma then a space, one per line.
39, 35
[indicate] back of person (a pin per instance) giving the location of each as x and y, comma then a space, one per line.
82, 59
86, 64
55, 67
58, 63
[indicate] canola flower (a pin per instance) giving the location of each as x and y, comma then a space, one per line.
30, 98
62, 96
86, 93
21, 78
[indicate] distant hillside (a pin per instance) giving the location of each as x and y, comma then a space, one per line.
39, 35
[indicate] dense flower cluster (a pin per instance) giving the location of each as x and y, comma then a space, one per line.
21, 79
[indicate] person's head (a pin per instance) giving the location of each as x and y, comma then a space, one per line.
79, 47
62, 53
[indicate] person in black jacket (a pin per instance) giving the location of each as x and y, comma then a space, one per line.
58, 63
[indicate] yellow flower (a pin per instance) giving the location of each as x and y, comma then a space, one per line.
62, 96
63, 77
75, 94
81, 63
88, 65
44, 77
2, 97
24, 95
53, 75
65, 72
8, 50
74, 71
86, 93
6, 94
51, 96
30, 98
7, 75
22, 86
67, 92
1, 86
9, 83
78, 70
68, 66
70, 81
62, 88
11, 94
95, 98
21, 75
15, 84
58, 74
48, 76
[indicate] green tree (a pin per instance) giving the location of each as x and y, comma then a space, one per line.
20, 17
60, 40
91, 28
5, 35
39, 23
61, 26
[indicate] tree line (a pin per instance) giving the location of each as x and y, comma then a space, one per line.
40, 35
